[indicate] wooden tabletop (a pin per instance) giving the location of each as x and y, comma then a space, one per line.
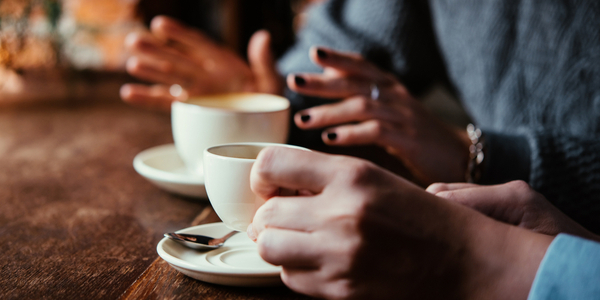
76, 220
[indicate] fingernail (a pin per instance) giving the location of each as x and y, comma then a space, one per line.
305, 118
321, 54
250, 232
299, 81
332, 136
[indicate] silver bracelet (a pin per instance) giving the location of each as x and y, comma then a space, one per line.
475, 154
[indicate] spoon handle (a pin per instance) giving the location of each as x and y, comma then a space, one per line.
223, 239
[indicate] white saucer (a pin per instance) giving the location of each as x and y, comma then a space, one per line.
163, 167
237, 263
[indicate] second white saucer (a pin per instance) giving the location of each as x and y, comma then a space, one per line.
162, 166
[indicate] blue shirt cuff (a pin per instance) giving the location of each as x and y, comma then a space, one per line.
569, 270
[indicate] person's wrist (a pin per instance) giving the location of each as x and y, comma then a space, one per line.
505, 258
524, 254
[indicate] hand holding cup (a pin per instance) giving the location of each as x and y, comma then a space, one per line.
227, 178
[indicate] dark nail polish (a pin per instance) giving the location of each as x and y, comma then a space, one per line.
299, 80
305, 118
332, 136
321, 54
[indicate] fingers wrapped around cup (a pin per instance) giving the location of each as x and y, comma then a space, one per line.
361, 228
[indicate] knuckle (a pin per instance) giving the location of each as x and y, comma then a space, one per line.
264, 163
265, 212
314, 286
520, 187
338, 290
338, 283
400, 90
265, 247
350, 248
135, 43
334, 284
378, 129
133, 65
409, 115
522, 192
167, 67
363, 105
290, 281
161, 25
287, 279
360, 172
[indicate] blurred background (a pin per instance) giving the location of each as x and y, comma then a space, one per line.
65, 50
73, 50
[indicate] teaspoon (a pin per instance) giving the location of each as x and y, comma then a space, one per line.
199, 242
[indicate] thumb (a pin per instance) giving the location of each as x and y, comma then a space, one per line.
262, 63
497, 201
475, 198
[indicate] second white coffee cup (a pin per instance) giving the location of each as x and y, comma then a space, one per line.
227, 180
209, 120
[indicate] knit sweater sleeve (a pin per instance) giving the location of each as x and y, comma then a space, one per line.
565, 168
395, 35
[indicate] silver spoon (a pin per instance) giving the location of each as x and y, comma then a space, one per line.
199, 242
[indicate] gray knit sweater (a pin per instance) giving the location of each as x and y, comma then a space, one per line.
528, 73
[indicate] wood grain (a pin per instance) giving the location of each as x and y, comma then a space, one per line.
76, 221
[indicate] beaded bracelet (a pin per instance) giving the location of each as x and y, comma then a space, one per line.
475, 154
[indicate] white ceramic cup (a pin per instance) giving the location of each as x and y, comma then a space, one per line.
227, 180
205, 121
